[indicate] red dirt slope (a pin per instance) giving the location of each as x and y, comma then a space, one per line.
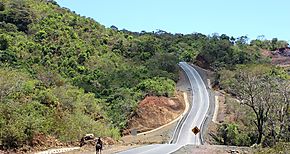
154, 112
280, 57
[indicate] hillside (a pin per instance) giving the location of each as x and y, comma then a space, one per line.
63, 75
280, 57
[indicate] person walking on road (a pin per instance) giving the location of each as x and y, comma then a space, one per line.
99, 146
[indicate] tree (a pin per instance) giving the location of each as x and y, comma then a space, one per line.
256, 89
114, 28
265, 90
229, 133
224, 37
282, 109
2, 6
242, 40
10, 82
159, 86
18, 14
4, 44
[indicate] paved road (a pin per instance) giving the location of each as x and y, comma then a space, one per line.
195, 117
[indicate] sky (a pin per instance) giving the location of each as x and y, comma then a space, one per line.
251, 18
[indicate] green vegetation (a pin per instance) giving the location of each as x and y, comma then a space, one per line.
65, 75
231, 135
157, 86
283, 147
29, 107
269, 44
264, 108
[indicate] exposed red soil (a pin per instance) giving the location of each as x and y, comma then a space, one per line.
39, 142
280, 57
154, 112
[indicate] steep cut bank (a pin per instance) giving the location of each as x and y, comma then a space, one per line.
154, 112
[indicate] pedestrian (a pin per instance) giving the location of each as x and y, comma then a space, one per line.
99, 145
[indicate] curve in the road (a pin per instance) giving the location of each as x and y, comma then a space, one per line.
198, 110
195, 117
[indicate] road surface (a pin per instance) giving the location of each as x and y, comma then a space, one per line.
183, 134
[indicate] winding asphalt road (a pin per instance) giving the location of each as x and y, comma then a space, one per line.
196, 115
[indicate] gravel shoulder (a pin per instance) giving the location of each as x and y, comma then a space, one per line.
212, 149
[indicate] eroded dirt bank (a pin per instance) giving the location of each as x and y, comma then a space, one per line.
154, 112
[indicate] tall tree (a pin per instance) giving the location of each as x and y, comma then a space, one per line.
282, 108
256, 89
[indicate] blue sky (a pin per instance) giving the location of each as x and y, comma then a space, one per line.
232, 17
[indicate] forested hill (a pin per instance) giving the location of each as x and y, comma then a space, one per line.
65, 75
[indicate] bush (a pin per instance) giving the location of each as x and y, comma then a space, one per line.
229, 134
2, 6
3, 42
280, 147
21, 121
157, 86
18, 14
